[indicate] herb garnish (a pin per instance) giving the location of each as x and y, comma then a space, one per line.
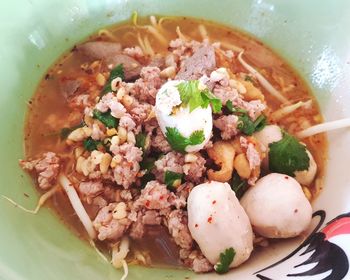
170, 178
106, 118
141, 140
147, 165
67, 130
179, 142
238, 185
191, 95
226, 258
288, 156
248, 127
116, 72
245, 124
91, 144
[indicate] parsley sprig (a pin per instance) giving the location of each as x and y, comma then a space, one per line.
288, 156
191, 95
179, 143
226, 258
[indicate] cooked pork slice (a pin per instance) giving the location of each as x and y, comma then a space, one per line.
132, 67
99, 49
69, 87
201, 62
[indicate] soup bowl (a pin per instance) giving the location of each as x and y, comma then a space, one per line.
311, 36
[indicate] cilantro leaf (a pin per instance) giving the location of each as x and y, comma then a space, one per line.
196, 137
171, 177
147, 164
67, 130
141, 140
116, 72
229, 106
106, 118
245, 124
91, 144
208, 97
226, 258
238, 185
147, 178
233, 109
179, 142
288, 155
176, 140
191, 95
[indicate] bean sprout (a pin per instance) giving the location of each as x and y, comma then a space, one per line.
265, 83
77, 205
203, 31
41, 201
281, 113
324, 127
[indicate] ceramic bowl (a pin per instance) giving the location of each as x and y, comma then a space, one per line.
311, 35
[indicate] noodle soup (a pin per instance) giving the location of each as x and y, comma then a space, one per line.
149, 123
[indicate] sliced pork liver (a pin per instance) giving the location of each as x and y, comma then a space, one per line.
201, 62
69, 87
100, 49
132, 67
110, 53
157, 61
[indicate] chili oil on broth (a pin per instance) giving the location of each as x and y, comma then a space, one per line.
49, 112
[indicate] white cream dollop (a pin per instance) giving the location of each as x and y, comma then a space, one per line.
186, 122
217, 222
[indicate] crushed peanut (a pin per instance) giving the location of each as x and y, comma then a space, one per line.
100, 79
105, 162
122, 133
111, 131
119, 211
131, 137
241, 165
190, 157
